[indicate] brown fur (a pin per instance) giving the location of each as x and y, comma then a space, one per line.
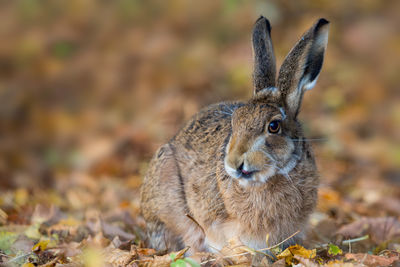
199, 171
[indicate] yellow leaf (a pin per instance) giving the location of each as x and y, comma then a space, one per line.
291, 251
69, 222
92, 257
32, 231
28, 264
21, 196
41, 245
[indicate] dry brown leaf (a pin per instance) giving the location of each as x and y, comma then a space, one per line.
71, 249
49, 214
117, 257
97, 241
260, 260
305, 262
143, 251
51, 263
22, 244
113, 231
205, 257
309, 263
236, 252
371, 260
291, 251
97, 224
279, 263
378, 229
161, 261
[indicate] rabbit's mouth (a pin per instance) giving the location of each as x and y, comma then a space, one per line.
246, 174
250, 175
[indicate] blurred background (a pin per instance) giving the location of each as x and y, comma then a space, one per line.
89, 90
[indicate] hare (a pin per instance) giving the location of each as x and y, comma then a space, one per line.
241, 169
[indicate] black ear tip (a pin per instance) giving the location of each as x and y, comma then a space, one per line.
321, 22
261, 19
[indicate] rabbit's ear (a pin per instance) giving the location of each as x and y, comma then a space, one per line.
264, 73
300, 69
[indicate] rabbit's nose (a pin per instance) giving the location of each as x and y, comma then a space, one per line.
240, 168
243, 172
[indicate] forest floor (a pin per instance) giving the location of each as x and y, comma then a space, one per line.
90, 89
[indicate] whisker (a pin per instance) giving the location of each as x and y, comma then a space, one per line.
287, 176
226, 113
269, 165
229, 108
310, 139
268, 155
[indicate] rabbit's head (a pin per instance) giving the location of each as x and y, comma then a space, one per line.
266, 135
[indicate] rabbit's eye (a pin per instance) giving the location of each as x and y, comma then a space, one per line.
274, 126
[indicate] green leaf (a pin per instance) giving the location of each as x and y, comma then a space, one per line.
6, 241
334, 250
180, 263
63, 49
192, 262
32, 231
172, 256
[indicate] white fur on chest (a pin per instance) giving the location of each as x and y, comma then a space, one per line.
219, 234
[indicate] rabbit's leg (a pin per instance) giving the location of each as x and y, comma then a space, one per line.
164, 206
162, 239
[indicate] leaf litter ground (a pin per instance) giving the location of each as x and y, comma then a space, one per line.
92, 222
76, 140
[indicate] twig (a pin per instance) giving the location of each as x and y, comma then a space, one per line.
349, 241
19, 257
355, 240
280, 243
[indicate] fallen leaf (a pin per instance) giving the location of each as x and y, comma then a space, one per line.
22, 244
379, 229
21, 196
71, 249
40, 246
112, 231
162, 261
309, 263
117, 257
6, 241
291, 251
42, 213
334, 250
97, 241
279, 263
3, 217
33, 231
143, 251
93, 257
305, 262
371, 260
236, 252
204, 257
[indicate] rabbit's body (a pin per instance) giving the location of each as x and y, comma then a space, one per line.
228, 173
